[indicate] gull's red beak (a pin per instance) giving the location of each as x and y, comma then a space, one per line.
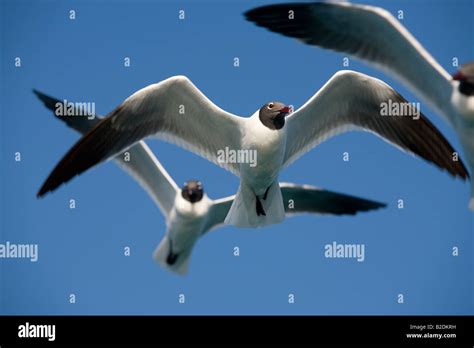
458, 76
285, 110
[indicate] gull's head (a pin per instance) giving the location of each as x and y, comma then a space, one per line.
465, 76
192, 191
273, 114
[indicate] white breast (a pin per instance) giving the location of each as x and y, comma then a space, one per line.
187, 220
269, 146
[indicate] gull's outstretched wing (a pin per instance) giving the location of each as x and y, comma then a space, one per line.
140, 162
173, 110
300, 199
354, 101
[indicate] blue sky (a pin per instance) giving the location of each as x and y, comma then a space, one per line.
407, 251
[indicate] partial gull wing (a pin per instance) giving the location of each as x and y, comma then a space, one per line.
354, 101
143, 166
301, 199
173, 110
218, 212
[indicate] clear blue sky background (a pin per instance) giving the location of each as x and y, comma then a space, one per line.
81, 251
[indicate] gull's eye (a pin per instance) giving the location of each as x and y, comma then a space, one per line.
270, 105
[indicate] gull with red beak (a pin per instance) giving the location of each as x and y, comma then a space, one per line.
175, 110
188, 211
375, 36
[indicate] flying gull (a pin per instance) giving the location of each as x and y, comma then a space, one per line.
189, 212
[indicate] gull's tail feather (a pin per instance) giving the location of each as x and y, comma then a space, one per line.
243, 211
177, 263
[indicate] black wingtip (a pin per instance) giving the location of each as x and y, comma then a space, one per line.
250, 14
50, 103
47, 100
465, 175
370, 205
43, 191
104, 140
50, 185
293, 20
267, 13
459, 170
254, 14
39, 94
